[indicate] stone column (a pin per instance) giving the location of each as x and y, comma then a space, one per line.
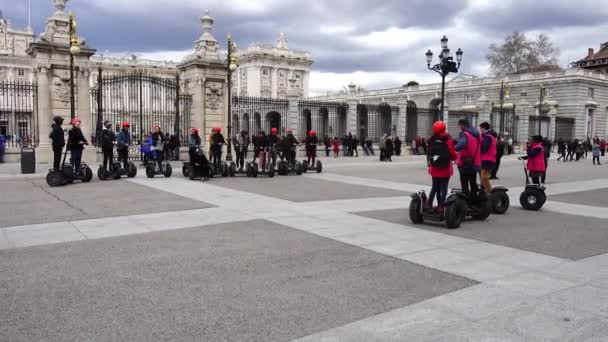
45, 112
83, 104
274, 87
402, 118
351, 117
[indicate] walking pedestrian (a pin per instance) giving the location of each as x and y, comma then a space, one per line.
355, 146
389, 149
336, 147
596, 152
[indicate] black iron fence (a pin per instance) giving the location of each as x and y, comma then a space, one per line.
143, 101
502, 120
255, 114
18, 113
328, 119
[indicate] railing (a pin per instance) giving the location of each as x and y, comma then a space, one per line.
19, 114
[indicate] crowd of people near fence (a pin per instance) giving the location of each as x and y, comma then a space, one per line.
577, 150
348, 146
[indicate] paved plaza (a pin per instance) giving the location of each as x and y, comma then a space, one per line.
317, 257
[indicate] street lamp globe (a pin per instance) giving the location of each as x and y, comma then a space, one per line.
444, 42
74, 50
445, 54
459, 54
232, 66
429, 57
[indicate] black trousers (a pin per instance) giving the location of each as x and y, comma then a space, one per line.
76, 158
108, 157
123, 156
468, 181
496, 167
440, 188
240, 156
57, 157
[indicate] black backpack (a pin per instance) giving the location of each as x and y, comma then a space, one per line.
439, 153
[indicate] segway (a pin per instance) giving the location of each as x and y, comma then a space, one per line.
66, 175
318, 167
288, 165
534, 197
117, 171
153, 170
455, 208
267, 168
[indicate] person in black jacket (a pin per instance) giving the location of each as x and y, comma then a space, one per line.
108, 137
217, 144
311, 143
76, 142
57, 140
158, 146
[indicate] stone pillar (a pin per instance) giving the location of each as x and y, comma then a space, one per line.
274, 86
351, 117
83, 103
51, 56
402, 118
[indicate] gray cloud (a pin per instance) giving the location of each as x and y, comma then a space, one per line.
329, 29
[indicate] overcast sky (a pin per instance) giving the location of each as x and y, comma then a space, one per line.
377, 44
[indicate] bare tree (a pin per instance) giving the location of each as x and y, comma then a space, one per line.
518, 54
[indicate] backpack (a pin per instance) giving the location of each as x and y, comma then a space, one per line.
439, 153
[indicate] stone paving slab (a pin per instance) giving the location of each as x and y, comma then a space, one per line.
26, 202
597, 198
248, 281
559, 235
303, 188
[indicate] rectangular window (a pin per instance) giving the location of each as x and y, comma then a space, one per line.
297, 75
265, 72
21, 72
468, 98
23, 128
281, 74
591, 92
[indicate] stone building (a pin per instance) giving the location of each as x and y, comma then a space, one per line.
596, 61
574, 104
265, 70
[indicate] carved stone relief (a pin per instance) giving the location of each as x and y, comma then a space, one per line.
214, 93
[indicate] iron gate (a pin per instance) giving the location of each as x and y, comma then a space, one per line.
456, 115
503, 120
255, 114
143, 101
328, 119
19, 114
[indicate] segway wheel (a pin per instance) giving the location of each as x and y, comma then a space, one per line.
150, 170
283, 168
415, 211
254, 170
299, 168
190, 171
455, 213
102, 174
68, 174
271, 169
499, 202
54, 179
225, 172
532, 199
305, 166
211, 170
168, 171
186, 170
88, 174
232, 169
132, 170
319, 166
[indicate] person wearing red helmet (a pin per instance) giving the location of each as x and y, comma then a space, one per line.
273, 140
123, 142
217, 144
441, 154
311, 143
76, 142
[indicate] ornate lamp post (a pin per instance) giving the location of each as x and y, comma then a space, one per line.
231, 68
445, 66
74, 51
540, 106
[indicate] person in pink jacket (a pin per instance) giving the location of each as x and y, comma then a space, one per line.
536, 159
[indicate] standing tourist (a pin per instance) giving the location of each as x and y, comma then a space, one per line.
469, 157
355, 146
439, 160
57, 141
488, 155
389, 149
107, 139
596, 151
2, 147
536, 156
76, 142
336, 147
123, 142
158, 146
